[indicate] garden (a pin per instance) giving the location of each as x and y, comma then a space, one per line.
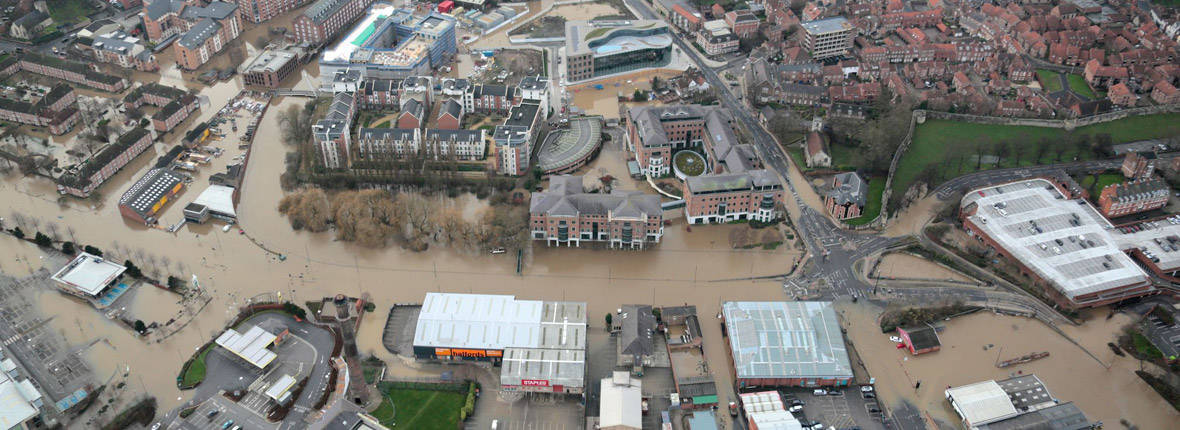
689, 163
425, 406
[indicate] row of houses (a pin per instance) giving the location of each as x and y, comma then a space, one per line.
69, 71
57, 111
175, 105
199, 30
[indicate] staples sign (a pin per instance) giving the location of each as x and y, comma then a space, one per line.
534, 382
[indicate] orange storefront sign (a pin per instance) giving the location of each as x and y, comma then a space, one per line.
469, 352
442, 351
495, 353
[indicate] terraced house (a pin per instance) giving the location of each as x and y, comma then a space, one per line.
175, 104
56, 111
82, 179
566, 215
199, 29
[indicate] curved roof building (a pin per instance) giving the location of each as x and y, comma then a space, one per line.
600, 48
570, 149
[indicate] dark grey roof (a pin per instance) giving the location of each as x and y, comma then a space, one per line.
114, 42
922, 337
197, 35
31, 19
148, 190
647, 120
156, 9
387, 134
378, 86
413, 107
454, 135
565, 198
675, 312
452, 108
321, 10
523, 114
455, 84
1064, 416
851, 189
638, 327
811, 90
511, 135
532, 83
492, 90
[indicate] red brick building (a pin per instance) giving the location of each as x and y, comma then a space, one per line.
269, 68
175, 104
257, 11
920, 339
412, 114
83, 179
450, 116
200, 29
56, 111
742, 22
846, 199
1133, 197
1120, 95
1138, 164
1165, 93
566, 215
324, 19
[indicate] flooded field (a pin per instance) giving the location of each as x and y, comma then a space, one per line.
907, 266
1105, 388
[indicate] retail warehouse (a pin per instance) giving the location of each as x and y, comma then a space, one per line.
786, 344
1062, 241
540, 344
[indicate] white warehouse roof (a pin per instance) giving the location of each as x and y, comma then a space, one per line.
621, 403
250, 346
88, 273
486, 321
981, 402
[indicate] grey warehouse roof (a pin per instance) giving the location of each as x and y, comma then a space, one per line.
786, 340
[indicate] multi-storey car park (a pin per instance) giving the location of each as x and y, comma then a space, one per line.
1060, 241
595, 49
391, 43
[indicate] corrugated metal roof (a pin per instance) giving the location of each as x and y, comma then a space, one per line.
786, 340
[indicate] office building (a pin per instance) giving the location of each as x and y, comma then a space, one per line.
828, 37
595, 49
391, 43
324, 19
566, 215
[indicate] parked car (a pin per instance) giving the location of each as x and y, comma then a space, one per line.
795, 409
819, 392
866, 388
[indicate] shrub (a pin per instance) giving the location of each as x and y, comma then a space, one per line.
295, 310
67, 247
19, 234
92, 250
42, 240
132, 271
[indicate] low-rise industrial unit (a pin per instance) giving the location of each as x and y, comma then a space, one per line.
786, 344
93, 279
540, 344
1021, 402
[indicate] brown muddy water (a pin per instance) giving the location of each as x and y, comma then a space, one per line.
694, 267
1106, 389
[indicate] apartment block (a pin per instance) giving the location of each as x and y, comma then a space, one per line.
1133, 197
828, 37
566, 215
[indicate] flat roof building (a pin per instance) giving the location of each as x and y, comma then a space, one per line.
1065, 243
148, 196
1021, 402
250, 346
621, 402
543, 370
765, 411
89, 274
393, 43
828, 37
786, 344
19, 400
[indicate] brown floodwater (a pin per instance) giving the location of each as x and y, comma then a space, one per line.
689, 267
1106, 391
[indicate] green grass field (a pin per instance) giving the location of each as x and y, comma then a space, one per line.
1078, 84
872, 204
935, 138
420, 409
70, 11
1145, 347
1049, 80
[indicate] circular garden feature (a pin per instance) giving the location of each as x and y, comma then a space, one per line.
688, 163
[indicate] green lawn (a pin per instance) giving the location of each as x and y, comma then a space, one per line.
196, 371
872, 205
1049, 80
935, 139
384, 411
1145, 347
1078, 84
421, 409
70, 11
689, 163
1095, 186
843, 157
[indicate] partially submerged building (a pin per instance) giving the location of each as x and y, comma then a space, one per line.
567, 215
251, 346
150, 194
776, 344
1021, 402
621, 402
92, 278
